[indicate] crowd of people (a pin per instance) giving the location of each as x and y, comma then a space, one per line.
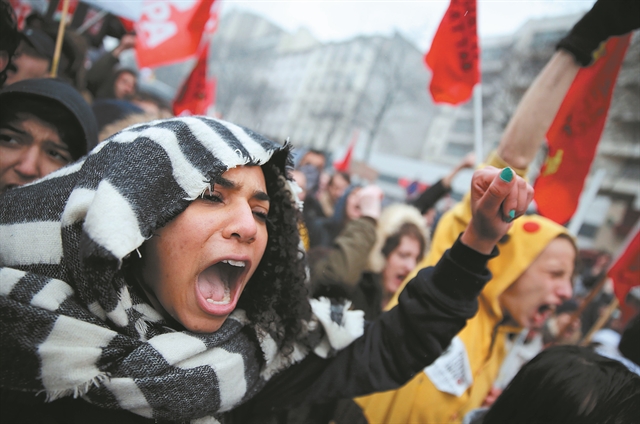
187, 269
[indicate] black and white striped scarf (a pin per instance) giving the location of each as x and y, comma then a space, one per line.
72, 326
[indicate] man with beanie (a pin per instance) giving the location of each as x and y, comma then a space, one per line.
45, 124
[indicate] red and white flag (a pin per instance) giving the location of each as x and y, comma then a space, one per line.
22, 9
575, 132
171, 30
197, 93
454, 53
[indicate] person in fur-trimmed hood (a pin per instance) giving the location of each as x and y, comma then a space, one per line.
161, 278
372, 255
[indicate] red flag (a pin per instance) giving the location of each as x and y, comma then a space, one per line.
574, 134
197, 93
171, 31
344, 164
625, 272
453, 57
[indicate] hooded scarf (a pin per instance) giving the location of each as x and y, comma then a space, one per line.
73, 325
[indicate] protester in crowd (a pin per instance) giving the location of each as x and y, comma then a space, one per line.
373, 255
312, 164
593, 272
336, 185
324, 230
567, 384
134, 301
34, 56
314, 157
152, 104
45, 124
106, 81
9, 37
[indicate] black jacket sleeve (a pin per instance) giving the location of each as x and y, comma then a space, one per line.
431, 310
430, 197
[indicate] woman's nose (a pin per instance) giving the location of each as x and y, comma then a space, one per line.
242, 224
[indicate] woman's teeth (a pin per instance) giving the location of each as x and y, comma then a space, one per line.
234, 263
225, 299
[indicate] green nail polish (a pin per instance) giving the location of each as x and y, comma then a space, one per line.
512, 213
506, 174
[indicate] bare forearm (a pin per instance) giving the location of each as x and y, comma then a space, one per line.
526, 130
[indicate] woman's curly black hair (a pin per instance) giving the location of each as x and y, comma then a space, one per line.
276, 297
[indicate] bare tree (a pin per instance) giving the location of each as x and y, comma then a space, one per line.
393, 81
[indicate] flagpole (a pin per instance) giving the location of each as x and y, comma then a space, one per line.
601, 321
93, 20
58, 50
586, 199
477, 122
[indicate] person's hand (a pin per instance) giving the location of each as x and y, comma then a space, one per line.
370, 201
498, 196
469, 161
128, 41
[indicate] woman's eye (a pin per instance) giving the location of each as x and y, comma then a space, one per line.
212, 197
261, 215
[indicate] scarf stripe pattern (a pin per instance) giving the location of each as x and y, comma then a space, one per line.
72, 326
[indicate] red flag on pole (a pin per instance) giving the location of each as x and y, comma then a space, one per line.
171, 31
575, 132
453, 57
344, 164
197, 93
625, 272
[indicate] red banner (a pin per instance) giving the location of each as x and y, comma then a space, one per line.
453, 57
625, 272
171, 30
575, 132
197, 93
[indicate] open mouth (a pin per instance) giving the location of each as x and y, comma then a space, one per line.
542, 314
218, 283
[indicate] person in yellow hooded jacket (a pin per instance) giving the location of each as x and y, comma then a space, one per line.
531, 275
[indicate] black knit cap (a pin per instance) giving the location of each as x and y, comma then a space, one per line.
68, 97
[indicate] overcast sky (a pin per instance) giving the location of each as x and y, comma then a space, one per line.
331, 20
